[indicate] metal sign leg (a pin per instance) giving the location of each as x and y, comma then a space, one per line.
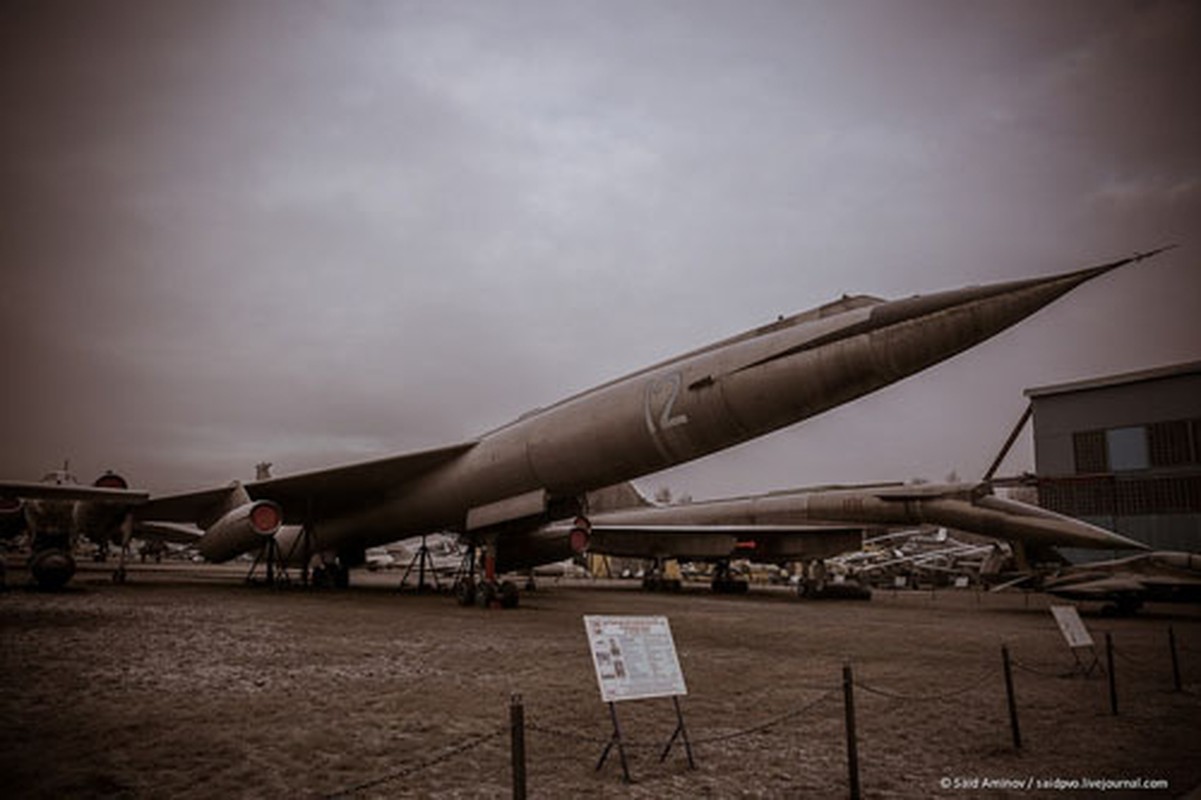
615, 739
680, 732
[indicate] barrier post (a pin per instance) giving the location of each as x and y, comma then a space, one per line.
1113, 685
1175, 659
517, 739
848, 693
1013, 706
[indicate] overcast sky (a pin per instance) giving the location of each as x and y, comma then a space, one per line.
317, 232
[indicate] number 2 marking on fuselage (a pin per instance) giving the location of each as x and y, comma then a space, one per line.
663, 393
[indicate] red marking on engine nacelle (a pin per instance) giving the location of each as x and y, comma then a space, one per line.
111, 480
750, 544
581, 532
265, 517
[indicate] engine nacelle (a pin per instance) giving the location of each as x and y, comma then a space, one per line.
12, 517
518, 550
51, 568
110, 480
101, 521
243, 529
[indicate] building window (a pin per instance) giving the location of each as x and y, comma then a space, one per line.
1089, 450
1127, 448
1103, 496
1169, 443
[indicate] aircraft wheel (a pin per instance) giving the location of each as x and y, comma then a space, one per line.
465, 592
485, 593
509, 596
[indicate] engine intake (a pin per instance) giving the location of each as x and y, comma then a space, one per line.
241, 530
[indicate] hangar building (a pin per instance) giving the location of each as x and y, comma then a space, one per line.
1124, 452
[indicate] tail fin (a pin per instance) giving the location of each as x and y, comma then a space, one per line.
615, 498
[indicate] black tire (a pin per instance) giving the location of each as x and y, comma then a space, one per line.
509, 596
485, 593
465, 592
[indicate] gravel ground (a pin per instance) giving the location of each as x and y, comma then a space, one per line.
188, 683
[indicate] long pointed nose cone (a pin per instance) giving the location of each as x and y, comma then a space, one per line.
917, 332
1017, 521
964, 507
796, 375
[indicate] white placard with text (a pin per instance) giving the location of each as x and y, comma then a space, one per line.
1071, 626
635, 657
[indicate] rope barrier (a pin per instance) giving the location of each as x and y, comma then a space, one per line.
908, 697
1043, 670
771, 723
1139, 662
421, 765
636, 745
583, 737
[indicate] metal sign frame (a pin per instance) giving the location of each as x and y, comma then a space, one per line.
635, 659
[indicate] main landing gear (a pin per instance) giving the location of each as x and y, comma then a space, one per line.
816, 583
334, 575
126, 531
656, 579
724, 581
485, 592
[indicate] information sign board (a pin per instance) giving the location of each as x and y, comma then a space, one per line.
1071, 626
635, 657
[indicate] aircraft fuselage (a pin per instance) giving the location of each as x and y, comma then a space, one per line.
699, 403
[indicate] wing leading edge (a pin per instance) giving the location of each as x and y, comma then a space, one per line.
321, 492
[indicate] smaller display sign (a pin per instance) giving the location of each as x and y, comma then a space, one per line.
1071, 626
635, 657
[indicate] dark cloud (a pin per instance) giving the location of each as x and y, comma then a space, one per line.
311, 232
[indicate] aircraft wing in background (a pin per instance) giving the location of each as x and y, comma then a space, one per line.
29, 490
322, 492
809, 525
1125, 584
57, 511
765, 543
